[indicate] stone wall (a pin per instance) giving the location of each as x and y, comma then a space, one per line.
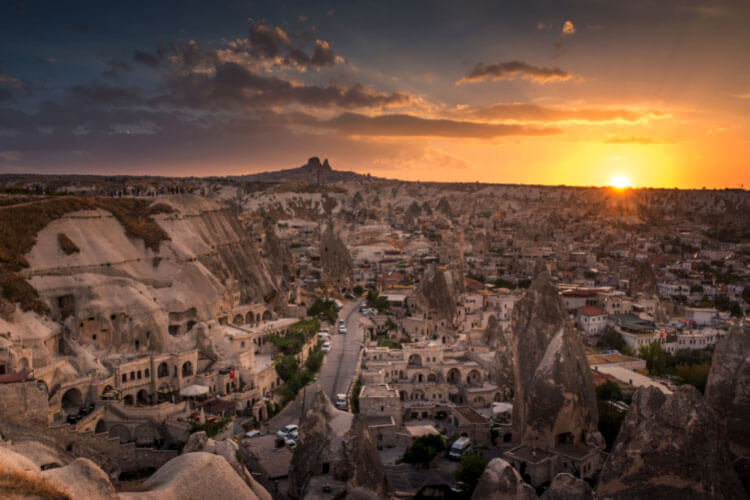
23, 402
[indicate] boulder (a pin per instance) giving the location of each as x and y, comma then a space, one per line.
500, 481
669, 447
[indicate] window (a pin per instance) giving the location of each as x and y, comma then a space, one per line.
132, 375
124, 377
145, 373
139, 374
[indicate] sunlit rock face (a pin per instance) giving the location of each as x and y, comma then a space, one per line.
336, 444
670, 447
435, 293
728, 388
500, 481
554, 391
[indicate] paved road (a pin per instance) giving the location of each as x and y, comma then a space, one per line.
336, 373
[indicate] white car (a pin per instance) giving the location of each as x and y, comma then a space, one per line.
253, 433
285, 431
341, 402
326, 347
291, 444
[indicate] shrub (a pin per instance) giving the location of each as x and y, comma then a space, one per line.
470, 469
425, 449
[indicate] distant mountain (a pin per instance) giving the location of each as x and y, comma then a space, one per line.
312, 173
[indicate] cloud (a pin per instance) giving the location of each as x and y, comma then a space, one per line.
512, 69
115, 67
150, 59
11, 81
403, 125
568, 28
643, 140
746, 95
231, 84
535, 113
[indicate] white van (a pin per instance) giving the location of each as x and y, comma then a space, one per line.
341, 402
459, 447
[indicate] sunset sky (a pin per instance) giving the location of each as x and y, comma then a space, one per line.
542, 92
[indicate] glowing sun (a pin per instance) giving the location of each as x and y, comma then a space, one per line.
619, 181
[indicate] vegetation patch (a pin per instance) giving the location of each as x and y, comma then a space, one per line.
425, 449
19, 225
66, 244
211, 428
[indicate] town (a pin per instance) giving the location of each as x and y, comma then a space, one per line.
315, 333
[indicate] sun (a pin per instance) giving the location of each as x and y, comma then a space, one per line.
619, 181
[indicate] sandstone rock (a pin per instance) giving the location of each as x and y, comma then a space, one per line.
566, 486
337, 443
83, 480
334, 256
502, 366
435, 293
669, 447
554, 390
728, 388
642, 280
500, 481
193, 476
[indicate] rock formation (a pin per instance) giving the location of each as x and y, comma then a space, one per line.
728, 388
228, 449
669, 447
500, 481
334, 256
642, 280
566, 486
502, 366
554, 390
435, 293
337, 444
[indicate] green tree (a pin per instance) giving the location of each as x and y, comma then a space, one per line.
323, 309
503, 283
424, 449
656, 358
695, 375
469, 471
609, 391
612, 339
358, 290
378, 302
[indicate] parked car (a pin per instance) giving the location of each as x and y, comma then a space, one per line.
341, 402
291, 443
285, 431
459, 447
326, 346
253, 433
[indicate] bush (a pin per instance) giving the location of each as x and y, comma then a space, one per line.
612, 339
425, 449
358, 290
609, 391
324, 309
695, 375
210, 428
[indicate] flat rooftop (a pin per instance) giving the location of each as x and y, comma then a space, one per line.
420, 430
470, 414
274, 461
378, 391
606, 359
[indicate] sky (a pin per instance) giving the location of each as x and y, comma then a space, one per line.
536, 92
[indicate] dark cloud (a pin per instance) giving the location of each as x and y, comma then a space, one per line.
322, 55
151, 59
512, 69
233, 84
533, 112
403, 125
82, 28
266, 41
115, 67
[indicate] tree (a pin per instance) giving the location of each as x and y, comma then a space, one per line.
609, 391
524, 283
324, 309
503, 283
358, 290
424, 449
656, 358
695, 375
610, 420
469, 470
376, 301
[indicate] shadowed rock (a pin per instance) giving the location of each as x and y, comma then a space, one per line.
669, 447
435, 293
502, 365
566, 486
728, 388
337, 444
500, 481
554, 390
334, 256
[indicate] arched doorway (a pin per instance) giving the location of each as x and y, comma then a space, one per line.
266, 315
72, 400
454, 376
415, 360
187, 369
120, 431
143, 397
129, 400
163, 370
237, 320
100, 427
474, 378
